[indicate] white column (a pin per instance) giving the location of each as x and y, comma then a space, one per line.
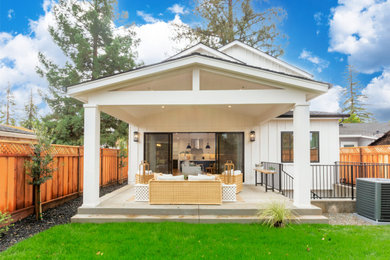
133, 154
302, 171
91, 155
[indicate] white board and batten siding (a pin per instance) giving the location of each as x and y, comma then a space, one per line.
253, 59
269, 144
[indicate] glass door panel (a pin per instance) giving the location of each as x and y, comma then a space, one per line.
158, 151
230, 146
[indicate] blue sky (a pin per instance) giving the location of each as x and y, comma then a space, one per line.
323, 37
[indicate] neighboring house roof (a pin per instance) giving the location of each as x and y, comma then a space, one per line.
16, 132
373, 130
316, 114
16, 129
383, 140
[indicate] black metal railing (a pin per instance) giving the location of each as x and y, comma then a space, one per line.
338, 180
280, 180
329, 181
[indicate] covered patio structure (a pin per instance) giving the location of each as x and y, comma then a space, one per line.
200, 90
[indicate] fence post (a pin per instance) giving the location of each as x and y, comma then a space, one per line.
101, 167
117, 167
352, 181
78, 171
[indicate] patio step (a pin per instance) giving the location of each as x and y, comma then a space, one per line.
189, 210
243, 219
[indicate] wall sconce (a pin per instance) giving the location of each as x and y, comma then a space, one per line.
136, 137
252, 136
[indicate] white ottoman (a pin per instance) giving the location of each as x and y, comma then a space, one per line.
141, 192
229, 192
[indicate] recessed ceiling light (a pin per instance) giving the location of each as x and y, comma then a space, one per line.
229, 106
162, 106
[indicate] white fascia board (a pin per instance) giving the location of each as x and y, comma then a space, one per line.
267, 56
358, 136
198, 60
199, 47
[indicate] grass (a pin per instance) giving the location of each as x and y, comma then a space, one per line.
209, 241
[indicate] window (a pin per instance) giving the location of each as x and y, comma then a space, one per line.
288, 147
314, 146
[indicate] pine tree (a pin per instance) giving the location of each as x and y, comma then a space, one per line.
31, 113
224, 21
85, 32
353, 99
8, 112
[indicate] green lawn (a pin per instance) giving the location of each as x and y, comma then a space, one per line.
191, 241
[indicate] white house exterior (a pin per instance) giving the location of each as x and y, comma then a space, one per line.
361, 134
236, 89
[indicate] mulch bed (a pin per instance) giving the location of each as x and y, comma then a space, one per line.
28, 227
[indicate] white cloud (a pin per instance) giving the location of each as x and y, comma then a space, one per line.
360, 29
328, 102
319, 64
378, 96
318, 18
11, 13
19, 58
156, 43
19, 53
147, 17
178, 9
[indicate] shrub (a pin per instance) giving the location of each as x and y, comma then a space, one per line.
5, 222
276, 215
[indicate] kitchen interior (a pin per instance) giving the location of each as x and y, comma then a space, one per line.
193, 153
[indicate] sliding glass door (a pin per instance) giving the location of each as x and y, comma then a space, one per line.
230, 146
158, 151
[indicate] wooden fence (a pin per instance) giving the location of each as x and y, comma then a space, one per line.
364, 162
365, 154
16, 195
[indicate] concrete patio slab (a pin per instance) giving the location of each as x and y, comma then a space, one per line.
120, 206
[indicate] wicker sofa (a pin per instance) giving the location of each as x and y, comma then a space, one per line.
185, 192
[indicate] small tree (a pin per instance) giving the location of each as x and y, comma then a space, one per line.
353, 99
39, 167
122, 143
7, 115
31, 113
5, 223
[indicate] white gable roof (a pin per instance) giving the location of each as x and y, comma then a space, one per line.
205, 50
201, 60
255, 57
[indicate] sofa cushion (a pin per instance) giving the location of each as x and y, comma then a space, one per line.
170, 178
201, 178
